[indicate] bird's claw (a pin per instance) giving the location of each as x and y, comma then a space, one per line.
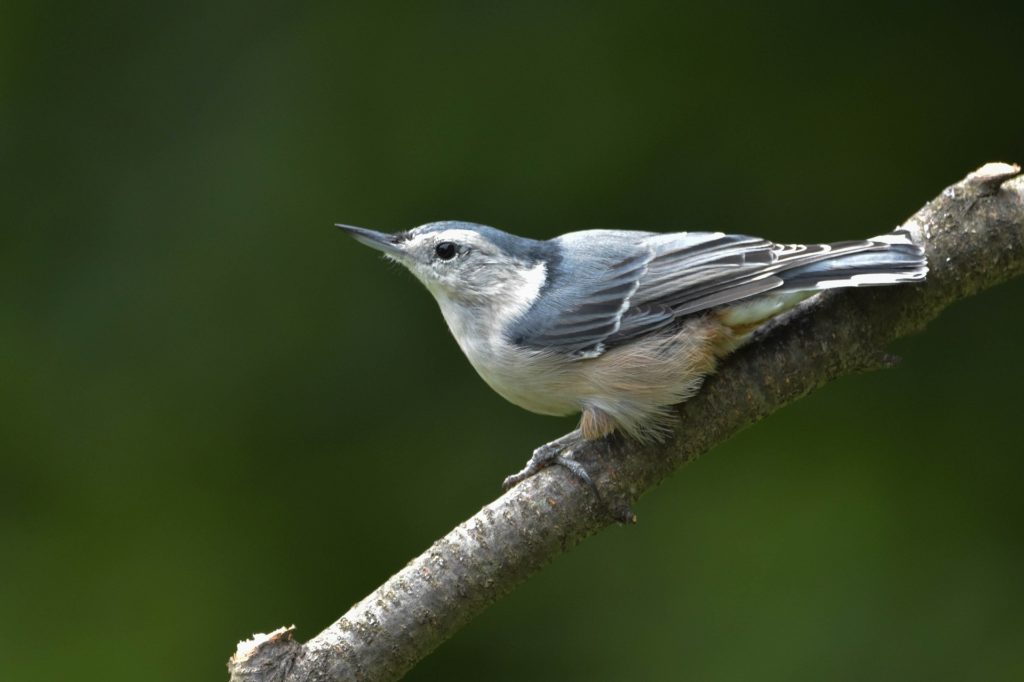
544, 458
559, 452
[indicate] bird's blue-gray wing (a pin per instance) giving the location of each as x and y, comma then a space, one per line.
584, 302
612, 286
609, 286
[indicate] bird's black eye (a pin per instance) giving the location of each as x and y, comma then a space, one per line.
446, 250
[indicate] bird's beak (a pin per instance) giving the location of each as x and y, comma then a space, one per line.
388, 243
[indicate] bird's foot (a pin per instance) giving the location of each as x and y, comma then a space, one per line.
557, 452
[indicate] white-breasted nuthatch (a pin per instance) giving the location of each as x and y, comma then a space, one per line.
619, 325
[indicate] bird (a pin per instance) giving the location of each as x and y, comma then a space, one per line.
619, 325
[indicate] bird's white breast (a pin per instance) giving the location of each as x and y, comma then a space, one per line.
525, 377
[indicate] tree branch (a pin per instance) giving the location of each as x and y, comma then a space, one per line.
973, 234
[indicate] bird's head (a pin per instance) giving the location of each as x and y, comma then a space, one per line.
465, 264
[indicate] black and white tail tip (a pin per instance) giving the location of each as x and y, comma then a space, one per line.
887, 259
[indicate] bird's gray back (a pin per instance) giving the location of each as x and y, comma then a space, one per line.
606, 287
592, 277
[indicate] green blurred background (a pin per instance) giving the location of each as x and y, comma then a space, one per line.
219, 415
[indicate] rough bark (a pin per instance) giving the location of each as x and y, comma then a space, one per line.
973, 234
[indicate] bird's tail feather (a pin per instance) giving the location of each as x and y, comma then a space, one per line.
887, 259
894, 259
